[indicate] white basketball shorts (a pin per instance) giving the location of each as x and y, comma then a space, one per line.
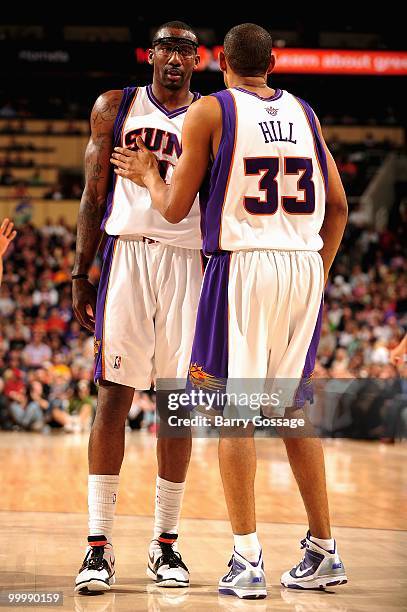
259, 317
146, 309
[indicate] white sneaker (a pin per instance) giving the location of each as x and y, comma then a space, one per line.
97, 572
165, 565
244, 579
318, 569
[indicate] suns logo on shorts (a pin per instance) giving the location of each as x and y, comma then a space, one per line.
96, 346
202, 379
307, 380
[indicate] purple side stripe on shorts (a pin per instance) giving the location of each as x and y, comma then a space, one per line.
101, 303
305, 391
209, 359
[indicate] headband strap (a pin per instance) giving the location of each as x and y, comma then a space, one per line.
174, 39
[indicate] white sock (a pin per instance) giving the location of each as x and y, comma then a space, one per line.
168, 501
327, 545
248, 546
102, 496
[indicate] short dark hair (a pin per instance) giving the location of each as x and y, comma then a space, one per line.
177, 25
247, 49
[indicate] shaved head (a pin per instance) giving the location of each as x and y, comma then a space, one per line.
162, 31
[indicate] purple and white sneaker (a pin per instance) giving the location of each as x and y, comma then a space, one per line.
244, 579
318, 569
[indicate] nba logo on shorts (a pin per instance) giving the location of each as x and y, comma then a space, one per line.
117, 362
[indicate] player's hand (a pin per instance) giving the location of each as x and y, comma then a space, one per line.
84, 302
6, 235
134, 165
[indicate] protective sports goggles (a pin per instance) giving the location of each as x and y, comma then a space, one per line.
168, 44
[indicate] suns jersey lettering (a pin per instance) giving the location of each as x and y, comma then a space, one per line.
129, 210
268, 181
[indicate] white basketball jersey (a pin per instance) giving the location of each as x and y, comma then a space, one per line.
129, 209
269, 179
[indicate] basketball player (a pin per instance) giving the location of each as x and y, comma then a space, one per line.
7, 234
272, 224
145, 311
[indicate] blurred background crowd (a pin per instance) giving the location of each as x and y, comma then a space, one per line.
46, 358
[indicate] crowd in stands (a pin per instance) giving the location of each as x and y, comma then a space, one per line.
20, 127
388, 117
62, 106
55, 106
17, 155
70, 189
46, 358
357, 163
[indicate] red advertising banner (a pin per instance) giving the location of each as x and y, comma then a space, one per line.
316, 61
341, 62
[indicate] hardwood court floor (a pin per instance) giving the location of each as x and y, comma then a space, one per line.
43, 524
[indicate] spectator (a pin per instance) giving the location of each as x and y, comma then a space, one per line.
36, 352
29, 411
141, 414
21, 190
55, 193
7, 304
82, 405
5, 419
8, 110
36, 178
55, 322
6, 177
45, 294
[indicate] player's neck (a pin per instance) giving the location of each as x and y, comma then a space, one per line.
172, 99
257, 85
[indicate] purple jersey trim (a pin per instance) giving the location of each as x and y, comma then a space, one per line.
278, 93
101, 303
319, 147
170, 114
212, 205
210, 349
127, 99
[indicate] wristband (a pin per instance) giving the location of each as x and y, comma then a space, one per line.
77, 276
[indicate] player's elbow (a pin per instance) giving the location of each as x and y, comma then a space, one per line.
339, 207
173, 217
343, 209
91, 195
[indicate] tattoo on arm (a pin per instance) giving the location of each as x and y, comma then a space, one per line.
105, 112
97, 168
